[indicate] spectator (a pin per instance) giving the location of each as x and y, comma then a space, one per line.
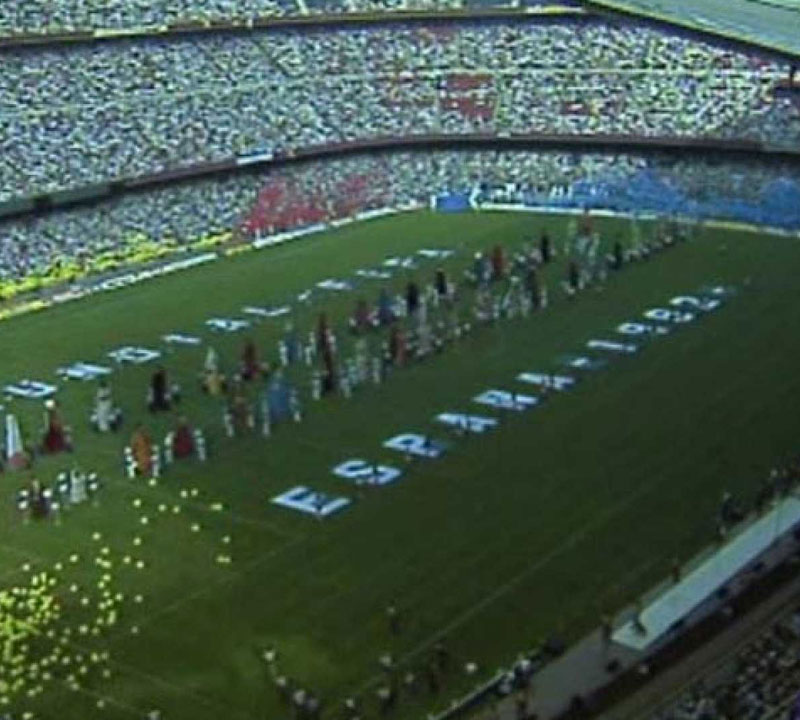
77, 115
63, 245
759, 682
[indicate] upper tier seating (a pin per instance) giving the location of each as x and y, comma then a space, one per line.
77, 115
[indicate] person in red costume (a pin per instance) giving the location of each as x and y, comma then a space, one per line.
498, 263
250, 366
183, 439
56, 439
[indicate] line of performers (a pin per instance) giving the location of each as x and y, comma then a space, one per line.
504, 288
276, 398
73, 487
146, 458
517, 289
586, 266
413, 302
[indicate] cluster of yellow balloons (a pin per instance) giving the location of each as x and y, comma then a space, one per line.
44, 626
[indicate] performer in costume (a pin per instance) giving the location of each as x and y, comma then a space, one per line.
40, 504
182, 439
159, 391
323, 334
240, 411
532, 286
213, 381
385, 314
15, 455
211, 363
250, 366
55, 437
573, 277
103, 407
498, 263
480, 273
360, 323
441, 284
397, 347
291, 343
483, 304
329, 373
412, 298
586, 223
545, 248
618, 257
142, 447
105, 417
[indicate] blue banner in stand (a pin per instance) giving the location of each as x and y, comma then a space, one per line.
453, 202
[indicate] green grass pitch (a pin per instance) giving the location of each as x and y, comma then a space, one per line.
566, 511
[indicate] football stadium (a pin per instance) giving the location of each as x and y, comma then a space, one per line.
400, 359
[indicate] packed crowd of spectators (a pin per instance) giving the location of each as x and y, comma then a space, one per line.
296, 195
78, 115
180, 213
760, 682
46, 16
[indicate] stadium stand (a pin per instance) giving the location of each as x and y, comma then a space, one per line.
87, 114
80, 115
175, 216
759, 683
40, 16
